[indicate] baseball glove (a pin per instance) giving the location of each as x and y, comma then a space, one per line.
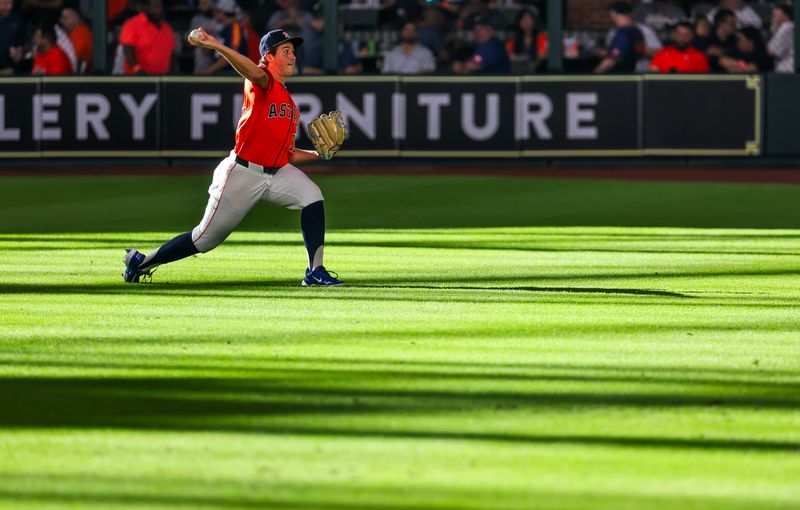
327, 133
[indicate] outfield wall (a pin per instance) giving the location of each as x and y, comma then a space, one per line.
510, 117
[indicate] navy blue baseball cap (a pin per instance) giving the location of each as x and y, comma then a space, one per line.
276, 38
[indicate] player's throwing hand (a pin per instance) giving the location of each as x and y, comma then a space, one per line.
199, 37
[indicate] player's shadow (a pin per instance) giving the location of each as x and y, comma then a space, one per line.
249, 288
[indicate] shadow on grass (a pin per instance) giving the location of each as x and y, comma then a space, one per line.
308, 402
236, 287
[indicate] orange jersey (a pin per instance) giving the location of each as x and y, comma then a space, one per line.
266, 130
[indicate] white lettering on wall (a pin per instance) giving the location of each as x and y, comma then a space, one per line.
200, 116
91, 110
364, 118
138, 112
42, 115
398, 116
537, 117
7, 133
576, 114
238, 109
468, 117
434, 104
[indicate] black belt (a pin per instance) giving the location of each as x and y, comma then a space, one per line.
265, 169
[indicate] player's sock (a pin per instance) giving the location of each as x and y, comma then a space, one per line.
178, 248
312, 223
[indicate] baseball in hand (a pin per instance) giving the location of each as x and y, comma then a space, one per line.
194, 35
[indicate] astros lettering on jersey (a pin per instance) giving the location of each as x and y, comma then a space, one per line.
266, 131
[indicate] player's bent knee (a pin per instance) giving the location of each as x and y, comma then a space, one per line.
311, 195
206, 241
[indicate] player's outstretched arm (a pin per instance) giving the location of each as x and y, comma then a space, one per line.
300, 156
243, 65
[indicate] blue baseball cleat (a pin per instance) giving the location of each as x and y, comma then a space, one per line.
320, 277
134, 259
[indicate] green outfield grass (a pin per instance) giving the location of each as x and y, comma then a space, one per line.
503, 343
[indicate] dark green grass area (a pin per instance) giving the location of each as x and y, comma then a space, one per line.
502, 343
148, 203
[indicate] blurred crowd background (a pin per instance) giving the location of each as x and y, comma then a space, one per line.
405, 36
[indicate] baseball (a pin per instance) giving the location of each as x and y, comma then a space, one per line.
194, 35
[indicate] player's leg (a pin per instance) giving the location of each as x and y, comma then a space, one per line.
233, 192
291, 188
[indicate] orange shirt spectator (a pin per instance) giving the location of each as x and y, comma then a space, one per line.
81, 39
80, 36
50, 59
148, 42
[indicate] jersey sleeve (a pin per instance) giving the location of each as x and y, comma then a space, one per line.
270, 79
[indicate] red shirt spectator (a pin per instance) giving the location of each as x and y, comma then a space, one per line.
680, 56
148, 42
50, 59
674, 60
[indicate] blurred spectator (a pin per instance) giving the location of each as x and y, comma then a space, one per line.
433, 31
231, 34
781, 45
479, 10
399, 12
702, 34
313, 48
203, 19
527, 44
63, 41
490, 56
722, 41
49, 59
745, 15
652, 45
114, 8
627, 46
148, 42
658, 14
252, 36
12, 37
80, 36
680, 56
290, 17
42, 12
750, 55
409, 57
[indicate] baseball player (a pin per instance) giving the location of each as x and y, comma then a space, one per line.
261, 165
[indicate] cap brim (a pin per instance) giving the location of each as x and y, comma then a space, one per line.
296, 41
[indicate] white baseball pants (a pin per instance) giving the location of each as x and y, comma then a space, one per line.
236, 189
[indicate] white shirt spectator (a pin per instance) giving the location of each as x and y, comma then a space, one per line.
745, 17
419, 61
781, 46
